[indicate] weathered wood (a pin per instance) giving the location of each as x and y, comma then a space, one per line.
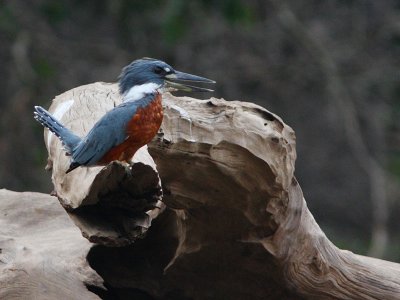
318, 269
42, 253
112, 205
237, 186
236, 224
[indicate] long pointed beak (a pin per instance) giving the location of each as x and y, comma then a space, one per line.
181, 76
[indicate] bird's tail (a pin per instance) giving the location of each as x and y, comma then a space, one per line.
68, 139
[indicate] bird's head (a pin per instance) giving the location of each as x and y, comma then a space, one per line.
148, 75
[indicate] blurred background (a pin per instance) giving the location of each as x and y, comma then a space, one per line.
330, 69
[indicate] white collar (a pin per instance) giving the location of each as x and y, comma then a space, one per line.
139, 91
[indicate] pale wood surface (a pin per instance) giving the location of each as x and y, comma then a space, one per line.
236, 224
42, 253
239, 157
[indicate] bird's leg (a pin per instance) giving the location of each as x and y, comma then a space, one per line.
127, 163
130, 163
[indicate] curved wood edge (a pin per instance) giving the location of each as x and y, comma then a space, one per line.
316, 268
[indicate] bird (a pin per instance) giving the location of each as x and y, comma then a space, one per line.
130, 125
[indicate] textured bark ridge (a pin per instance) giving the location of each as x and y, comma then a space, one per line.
113, 205
235, 226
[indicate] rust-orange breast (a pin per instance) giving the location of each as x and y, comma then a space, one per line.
140, 131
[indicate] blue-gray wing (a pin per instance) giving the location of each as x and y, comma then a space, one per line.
107, 133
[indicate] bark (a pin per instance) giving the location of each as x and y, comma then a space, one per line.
236, 224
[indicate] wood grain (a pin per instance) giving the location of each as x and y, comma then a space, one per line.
42, 253
236, 224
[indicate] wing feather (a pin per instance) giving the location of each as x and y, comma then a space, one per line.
108, 132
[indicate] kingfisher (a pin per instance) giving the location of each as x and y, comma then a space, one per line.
130, 125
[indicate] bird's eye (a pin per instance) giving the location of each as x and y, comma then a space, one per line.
159, 70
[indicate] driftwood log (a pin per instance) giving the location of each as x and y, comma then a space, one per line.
235, 226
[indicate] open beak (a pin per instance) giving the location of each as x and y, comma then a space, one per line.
180, 76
